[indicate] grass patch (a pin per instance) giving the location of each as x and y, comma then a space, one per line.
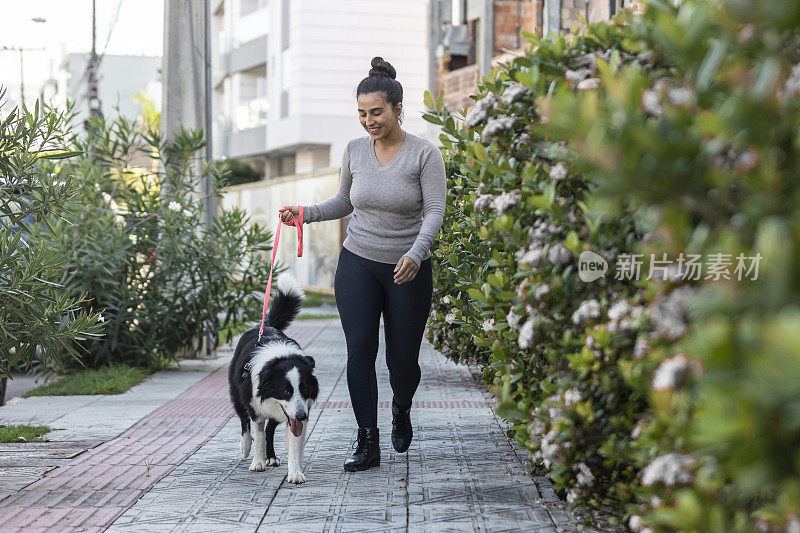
312, 316
105, 380
315, 299
23, 433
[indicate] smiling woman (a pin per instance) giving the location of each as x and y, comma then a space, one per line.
394, 185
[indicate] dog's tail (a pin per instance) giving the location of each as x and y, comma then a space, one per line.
286, 304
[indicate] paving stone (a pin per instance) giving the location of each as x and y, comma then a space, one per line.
461, 473
178, 467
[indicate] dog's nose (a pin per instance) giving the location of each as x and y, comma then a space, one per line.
301, 415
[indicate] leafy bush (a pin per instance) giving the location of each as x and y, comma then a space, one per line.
40, 319
140, 252
673, 133
239, 171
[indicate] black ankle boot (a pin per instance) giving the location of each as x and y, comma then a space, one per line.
368, 451
401, 428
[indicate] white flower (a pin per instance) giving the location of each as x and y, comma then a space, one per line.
559, 255
635, 523
792, 86
174, 206
668, 469
679, 96
651, 103
618, 311
577, 76
444, 300
505, 201
450, 318
497, 125
586, 310
101, 318
746, 161
513, 93
526, 335
671, 373
641, 349
637, 430
572, 396
187, 213
488, 325
530, 257
482, 202
558, 172
588, 85
572, 495
520, 141
585, 476
522, 288
668, 316
549, 448
513, 319
541, 291
655, 501
537, 428
478, 114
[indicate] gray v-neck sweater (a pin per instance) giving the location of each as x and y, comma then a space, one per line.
388, 202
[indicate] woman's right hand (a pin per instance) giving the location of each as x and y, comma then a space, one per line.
287, 214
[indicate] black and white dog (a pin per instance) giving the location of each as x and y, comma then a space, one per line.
272, 381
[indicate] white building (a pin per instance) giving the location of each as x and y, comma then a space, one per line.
285, 74
121, 79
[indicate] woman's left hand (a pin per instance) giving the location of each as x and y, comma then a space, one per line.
405, 270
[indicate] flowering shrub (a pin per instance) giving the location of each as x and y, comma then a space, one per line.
665, 137
140, 252
39, 318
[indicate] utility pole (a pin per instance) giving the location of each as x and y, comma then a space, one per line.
186, 93
210, 207
21, 50
94, 99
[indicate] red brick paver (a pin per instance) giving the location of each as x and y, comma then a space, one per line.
94, 489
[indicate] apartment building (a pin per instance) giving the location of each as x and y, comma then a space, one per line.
285, 72
475, 34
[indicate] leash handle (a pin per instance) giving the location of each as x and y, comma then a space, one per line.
298, 223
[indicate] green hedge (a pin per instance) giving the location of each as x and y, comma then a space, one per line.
673, 400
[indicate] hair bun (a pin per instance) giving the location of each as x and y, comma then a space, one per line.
381, 68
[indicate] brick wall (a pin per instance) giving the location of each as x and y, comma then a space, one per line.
510, 18
457, 85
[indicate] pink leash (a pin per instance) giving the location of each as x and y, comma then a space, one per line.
299, 225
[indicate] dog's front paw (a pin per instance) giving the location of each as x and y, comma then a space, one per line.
244, 445
296, 477
273, 461
258, 465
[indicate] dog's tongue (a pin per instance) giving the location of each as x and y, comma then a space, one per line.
295, 426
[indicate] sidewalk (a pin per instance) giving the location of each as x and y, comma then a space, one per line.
178, 467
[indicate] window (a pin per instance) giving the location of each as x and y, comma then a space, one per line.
284, 104
285, 37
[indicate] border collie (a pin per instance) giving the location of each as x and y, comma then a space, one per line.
272, 381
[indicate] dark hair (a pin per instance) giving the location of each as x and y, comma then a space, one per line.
381, 79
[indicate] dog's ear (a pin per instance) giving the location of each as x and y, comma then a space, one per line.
310, 360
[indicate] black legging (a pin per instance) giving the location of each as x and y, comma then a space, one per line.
364, 289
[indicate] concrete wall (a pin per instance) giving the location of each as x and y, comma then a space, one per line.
261, 200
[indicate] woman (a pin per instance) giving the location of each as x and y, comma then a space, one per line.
388, 179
